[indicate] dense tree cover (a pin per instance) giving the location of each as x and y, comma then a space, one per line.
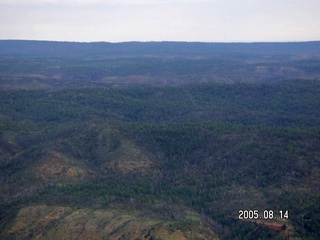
216, 148
159, 126
280, 104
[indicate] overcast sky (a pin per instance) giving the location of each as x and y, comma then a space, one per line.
160, 20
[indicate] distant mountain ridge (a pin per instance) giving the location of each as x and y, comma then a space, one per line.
75, 49
52, 65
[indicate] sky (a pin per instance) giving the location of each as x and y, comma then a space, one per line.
161, 20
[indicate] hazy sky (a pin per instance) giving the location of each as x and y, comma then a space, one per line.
161, 20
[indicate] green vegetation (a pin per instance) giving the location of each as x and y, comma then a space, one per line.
154, 161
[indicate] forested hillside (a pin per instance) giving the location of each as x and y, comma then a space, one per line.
152, 142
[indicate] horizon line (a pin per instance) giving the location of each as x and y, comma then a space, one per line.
162, 41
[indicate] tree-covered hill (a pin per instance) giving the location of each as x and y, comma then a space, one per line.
159, 140
212, 148
293, 103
